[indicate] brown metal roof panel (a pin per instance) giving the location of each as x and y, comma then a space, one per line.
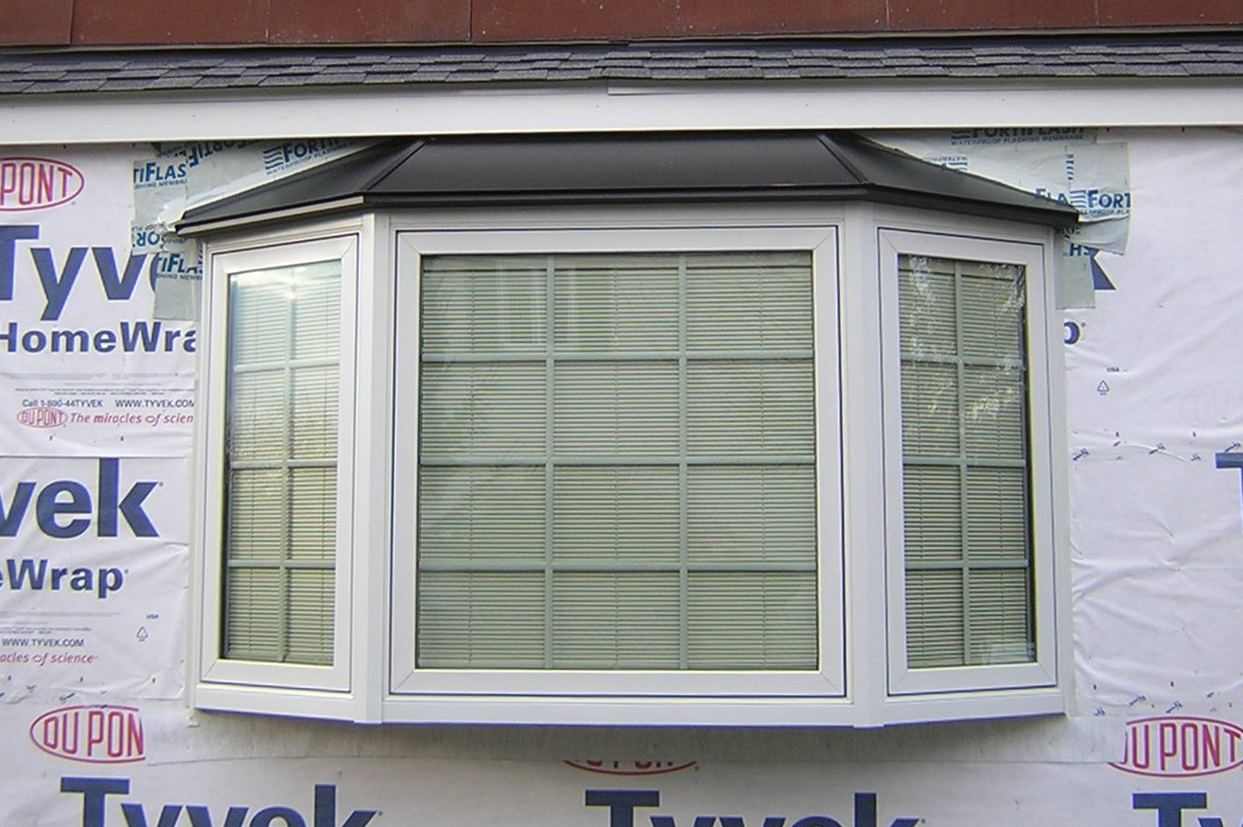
157, 22
377, 21
36, 22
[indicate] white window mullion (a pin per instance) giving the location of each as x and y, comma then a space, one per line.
683, 478
963, 468
550, 469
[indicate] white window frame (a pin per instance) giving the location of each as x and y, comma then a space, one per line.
214, 670
1044, 366
862, 682
825, 682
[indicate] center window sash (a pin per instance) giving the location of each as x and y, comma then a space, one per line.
617, 464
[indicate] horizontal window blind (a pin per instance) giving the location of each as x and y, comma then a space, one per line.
966, 471
281, 464
617, 462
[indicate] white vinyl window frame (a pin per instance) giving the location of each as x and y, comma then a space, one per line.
410, 683
216, 670
1043, 394
861, 679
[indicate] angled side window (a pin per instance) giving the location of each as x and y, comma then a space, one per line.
281, 387
971, 534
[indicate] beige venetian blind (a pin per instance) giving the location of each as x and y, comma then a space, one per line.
281, 464
617, 463
966, 475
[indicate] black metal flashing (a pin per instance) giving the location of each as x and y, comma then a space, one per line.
624, 168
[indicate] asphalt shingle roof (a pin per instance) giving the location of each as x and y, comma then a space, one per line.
324, 68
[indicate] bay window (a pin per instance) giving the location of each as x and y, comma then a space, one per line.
707, 463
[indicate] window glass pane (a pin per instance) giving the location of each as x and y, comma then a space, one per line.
483, 514
751, 620
751, 514
280, 463
481, 619
617, 407
616, 303
966, 476
729, 308
617, 515
615, 620
484, 407
750, 406
484, 303
658, 460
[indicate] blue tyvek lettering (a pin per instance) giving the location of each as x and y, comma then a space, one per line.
56, 287
1230, 460
139, 336
110, 507
94, 792
38, 575
9, 236
326, 809
56, 281
1169, 806
136, 816
622, 804
130, 507
201, 817
50, 506
700, 821
12, 516
265, 817
118, 287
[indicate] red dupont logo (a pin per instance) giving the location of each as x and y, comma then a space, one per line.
94, 734
1181, 746
42, 417
631, 767
37, 183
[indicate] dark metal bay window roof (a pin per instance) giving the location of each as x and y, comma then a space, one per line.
601, 168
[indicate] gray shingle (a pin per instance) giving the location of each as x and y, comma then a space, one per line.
1111, 56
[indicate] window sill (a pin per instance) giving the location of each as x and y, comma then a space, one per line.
496, 710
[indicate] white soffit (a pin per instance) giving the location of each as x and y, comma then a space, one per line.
838, 104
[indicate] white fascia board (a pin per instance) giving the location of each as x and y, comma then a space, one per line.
874, 104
